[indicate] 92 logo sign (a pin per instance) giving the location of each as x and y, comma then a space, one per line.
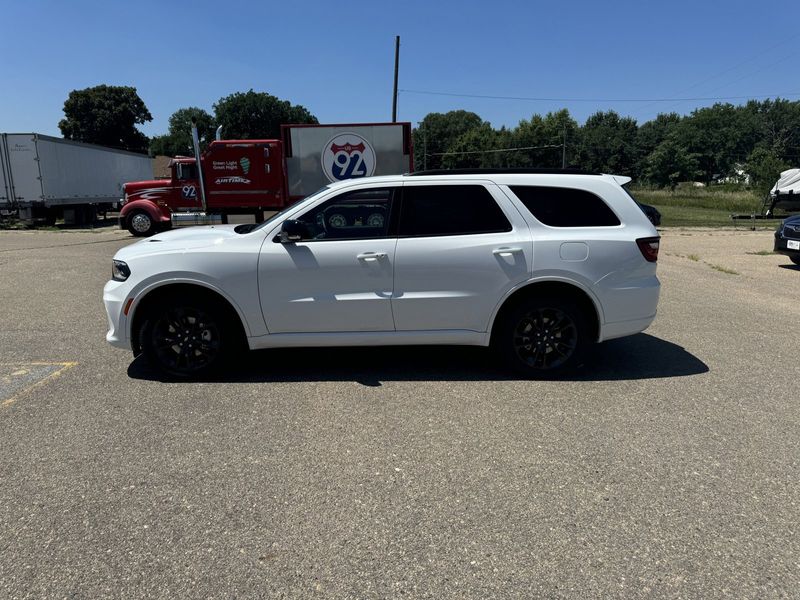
347, 156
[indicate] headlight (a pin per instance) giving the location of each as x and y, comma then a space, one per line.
119, 270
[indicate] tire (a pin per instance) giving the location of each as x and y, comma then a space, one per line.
795, 260
141, 224
542, 338
189, 338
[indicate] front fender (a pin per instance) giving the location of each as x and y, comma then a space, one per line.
159, 214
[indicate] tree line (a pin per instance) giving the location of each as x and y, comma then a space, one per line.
108, 115
757, 139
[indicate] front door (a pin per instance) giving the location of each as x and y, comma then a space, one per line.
339, 278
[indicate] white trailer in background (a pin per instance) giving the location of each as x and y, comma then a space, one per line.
43, 178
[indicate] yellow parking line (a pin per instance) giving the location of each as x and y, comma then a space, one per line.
64, 367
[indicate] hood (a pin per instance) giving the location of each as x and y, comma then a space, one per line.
179, 240
793, 220
138, 185
152, 189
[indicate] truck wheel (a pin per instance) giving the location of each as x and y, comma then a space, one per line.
542, 338
141, 224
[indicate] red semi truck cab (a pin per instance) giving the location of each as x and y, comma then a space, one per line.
253, 176
240, 176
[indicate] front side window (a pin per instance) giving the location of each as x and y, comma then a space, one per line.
432, 210
565, 207
353, 215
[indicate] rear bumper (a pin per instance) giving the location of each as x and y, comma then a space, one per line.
610, 331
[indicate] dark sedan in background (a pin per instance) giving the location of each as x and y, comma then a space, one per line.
787, 238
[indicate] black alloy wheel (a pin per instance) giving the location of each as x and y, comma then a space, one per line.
545, 338
185, 339
542, 338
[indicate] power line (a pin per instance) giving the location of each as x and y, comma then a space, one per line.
532, 99
498, 150
719, 74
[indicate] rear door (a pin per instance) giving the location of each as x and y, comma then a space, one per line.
461, 247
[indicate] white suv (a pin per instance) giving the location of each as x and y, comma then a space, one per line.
538, 265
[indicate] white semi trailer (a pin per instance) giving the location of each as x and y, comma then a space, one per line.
43, 178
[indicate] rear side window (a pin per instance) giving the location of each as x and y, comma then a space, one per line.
565, 207
450, 210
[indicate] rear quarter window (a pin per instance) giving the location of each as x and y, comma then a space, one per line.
565, 207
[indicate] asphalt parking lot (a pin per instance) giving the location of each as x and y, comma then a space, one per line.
668, 466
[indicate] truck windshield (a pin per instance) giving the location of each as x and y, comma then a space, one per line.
278, 215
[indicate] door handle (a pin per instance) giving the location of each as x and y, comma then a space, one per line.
506, 251
371, 256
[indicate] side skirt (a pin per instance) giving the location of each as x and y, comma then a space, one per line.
370, 338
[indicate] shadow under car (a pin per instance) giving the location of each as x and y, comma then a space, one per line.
641, 356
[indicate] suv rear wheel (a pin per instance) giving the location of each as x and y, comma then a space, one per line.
543, 337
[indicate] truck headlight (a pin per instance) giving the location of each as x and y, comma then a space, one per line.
120, 271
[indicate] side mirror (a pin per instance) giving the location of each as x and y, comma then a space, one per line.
293, 231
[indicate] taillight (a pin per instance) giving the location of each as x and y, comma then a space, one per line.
649, 248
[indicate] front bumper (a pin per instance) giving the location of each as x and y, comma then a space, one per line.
782, 245
114, 298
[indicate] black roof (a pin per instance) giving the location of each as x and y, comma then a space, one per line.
510, 171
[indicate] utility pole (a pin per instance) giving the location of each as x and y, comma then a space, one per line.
564, 150
396, 69
425, 146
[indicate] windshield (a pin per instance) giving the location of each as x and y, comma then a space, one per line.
278, 215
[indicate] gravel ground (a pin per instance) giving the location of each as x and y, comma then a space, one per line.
667, 467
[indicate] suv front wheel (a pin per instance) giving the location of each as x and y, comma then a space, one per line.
188, 338
542, 338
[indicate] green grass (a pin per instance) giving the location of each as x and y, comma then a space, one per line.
693, 257
722, 269
702, 207
762, 253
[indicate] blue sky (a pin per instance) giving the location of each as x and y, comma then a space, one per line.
335, 58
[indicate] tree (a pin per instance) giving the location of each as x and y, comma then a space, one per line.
669, 164
546, 136
764, 167
178, 140
721, 136
257, 115
650, 135
106, 115
469, 150
608, 143
437, 132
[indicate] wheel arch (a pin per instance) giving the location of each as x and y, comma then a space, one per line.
152, 209
197, 289
551, 286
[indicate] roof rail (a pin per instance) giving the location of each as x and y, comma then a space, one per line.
509, 171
